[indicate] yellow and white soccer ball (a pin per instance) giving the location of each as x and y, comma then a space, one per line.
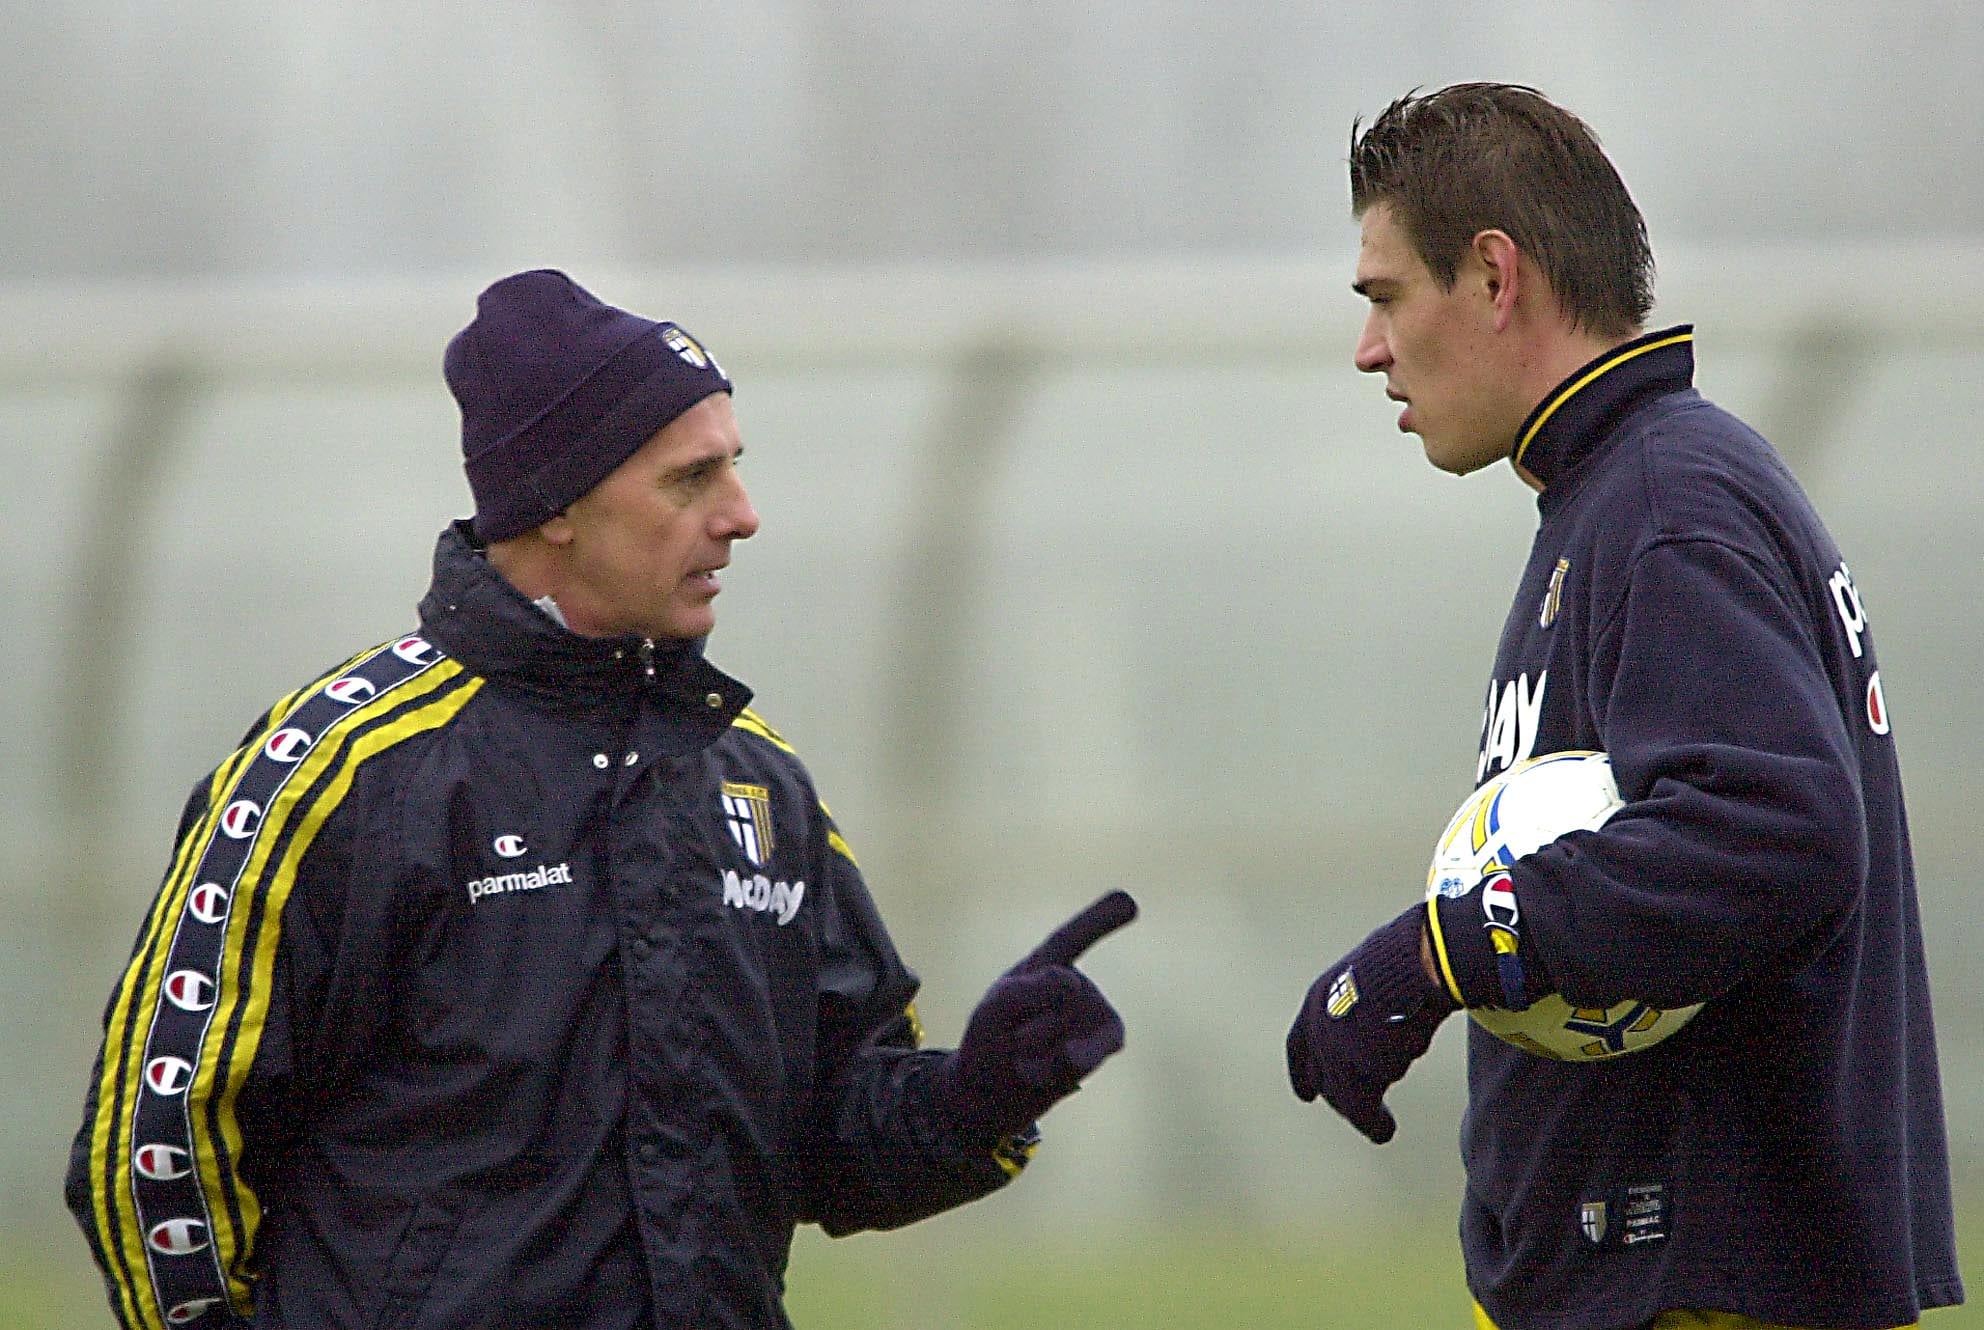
1517, 813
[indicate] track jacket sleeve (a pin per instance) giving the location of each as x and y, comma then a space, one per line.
1742, 845
190, 1108
880, 1155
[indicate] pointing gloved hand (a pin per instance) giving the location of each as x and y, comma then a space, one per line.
1364, 1022
1040, 1028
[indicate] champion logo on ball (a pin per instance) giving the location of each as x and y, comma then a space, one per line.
350, 690
1498, 902
287, 745
241, 819
161, 1163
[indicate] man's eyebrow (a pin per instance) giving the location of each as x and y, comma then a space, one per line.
715, 457
1362, 286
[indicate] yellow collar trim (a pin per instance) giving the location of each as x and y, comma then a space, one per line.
1529, 435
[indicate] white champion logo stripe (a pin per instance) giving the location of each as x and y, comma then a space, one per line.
162, 1163
350, 690
241, 818
415, 650
208, 903
189, 990
168, 1075
287, 744
178, 1237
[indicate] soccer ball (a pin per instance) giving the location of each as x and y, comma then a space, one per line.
1517, 813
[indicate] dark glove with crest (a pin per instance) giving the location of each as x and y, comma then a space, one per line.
1039, 1030
1364, 1022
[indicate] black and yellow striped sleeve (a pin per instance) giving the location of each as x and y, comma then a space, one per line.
155, 1176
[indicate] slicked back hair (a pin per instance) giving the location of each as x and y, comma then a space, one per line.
1475, 157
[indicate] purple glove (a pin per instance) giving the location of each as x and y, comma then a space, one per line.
1364, 1022
1040, 1028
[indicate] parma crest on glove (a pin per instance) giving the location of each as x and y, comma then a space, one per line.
1515, 814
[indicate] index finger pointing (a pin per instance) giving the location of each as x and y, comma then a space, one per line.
1065, 945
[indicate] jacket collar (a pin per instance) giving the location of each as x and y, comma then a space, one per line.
475, 615
1580, 413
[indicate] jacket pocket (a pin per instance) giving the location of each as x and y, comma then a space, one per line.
429, 1233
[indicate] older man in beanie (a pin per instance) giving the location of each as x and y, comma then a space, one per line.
511, 973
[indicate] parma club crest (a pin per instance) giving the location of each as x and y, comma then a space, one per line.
1591, 1218
747, 811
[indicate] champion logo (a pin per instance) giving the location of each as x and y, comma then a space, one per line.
178, 1237
510, 847
286, 745
1877, 705
415, 650
161, 1163
207, 903
350, 690
187, 1311
189, 990
241, 818
168, 1075
1498, 902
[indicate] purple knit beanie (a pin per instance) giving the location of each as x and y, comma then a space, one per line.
557, 389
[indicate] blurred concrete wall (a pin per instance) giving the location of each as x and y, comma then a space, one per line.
1072, 577
218, 137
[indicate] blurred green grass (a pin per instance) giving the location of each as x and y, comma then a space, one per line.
1399, 1275
1397, 1272
962, 1273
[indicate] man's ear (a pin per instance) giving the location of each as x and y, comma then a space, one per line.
1501, 273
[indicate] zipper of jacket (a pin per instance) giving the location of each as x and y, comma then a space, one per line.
647, 658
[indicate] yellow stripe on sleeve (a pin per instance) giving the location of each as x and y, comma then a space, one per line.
752, 723
128, 1027
327, 758
124, 1045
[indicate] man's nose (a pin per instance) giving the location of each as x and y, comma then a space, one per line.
1373, 352
738, 519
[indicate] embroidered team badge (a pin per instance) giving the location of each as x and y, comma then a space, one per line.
1342, 995
1591, 1218
747, 810
689, 349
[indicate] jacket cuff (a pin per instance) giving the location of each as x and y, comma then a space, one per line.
948, 1139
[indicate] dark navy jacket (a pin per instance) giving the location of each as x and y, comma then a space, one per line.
504, 978
1784, 1154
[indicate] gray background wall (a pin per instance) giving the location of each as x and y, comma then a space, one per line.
1088, 560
